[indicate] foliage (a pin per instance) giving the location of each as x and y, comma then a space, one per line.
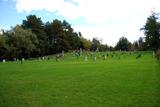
23, 41
36, 25
123, 44
95, 44
152, 32
34, 38
3, 47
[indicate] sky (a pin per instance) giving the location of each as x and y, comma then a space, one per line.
107, 20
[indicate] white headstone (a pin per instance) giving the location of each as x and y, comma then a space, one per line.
62, 53
95, 58
42, 58
153, 55
14, 59
22, 59
80, 51
4, 61
97, 50
85, 58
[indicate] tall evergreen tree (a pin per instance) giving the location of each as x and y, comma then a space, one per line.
152, 32
123, 44
36, 25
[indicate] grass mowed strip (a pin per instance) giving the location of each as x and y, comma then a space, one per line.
124, 82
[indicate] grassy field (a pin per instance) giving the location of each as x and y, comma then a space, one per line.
120, 81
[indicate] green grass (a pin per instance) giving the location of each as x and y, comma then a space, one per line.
72, 82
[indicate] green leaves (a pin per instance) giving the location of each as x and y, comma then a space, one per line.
35, 38
123, 44
24, 41
152, 32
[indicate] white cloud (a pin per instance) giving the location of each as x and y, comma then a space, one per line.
65, 9
107, 19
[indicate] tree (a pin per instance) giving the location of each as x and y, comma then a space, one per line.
56, 36
95, 44
36, 25
34, 38
123, 44
141, 44
75, 39
85, 43
3, 47
22, 41
62, 45
103, 47
152, 32
134, 46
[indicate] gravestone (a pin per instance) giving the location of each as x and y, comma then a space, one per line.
104, 57
85, 58
62, 53
153, 54
59, 55
43, 58
91, 53
80, 52
4, 61
97, 50
94, 59
15, 59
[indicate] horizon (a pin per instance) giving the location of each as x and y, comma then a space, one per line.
109, 21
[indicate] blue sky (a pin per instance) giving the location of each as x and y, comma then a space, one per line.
105, 19
10, 15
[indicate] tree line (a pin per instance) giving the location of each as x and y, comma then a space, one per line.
34, 38
151, 41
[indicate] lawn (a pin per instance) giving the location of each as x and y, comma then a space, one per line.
120, 81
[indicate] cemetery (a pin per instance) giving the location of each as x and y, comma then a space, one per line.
114, 79
80, 53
